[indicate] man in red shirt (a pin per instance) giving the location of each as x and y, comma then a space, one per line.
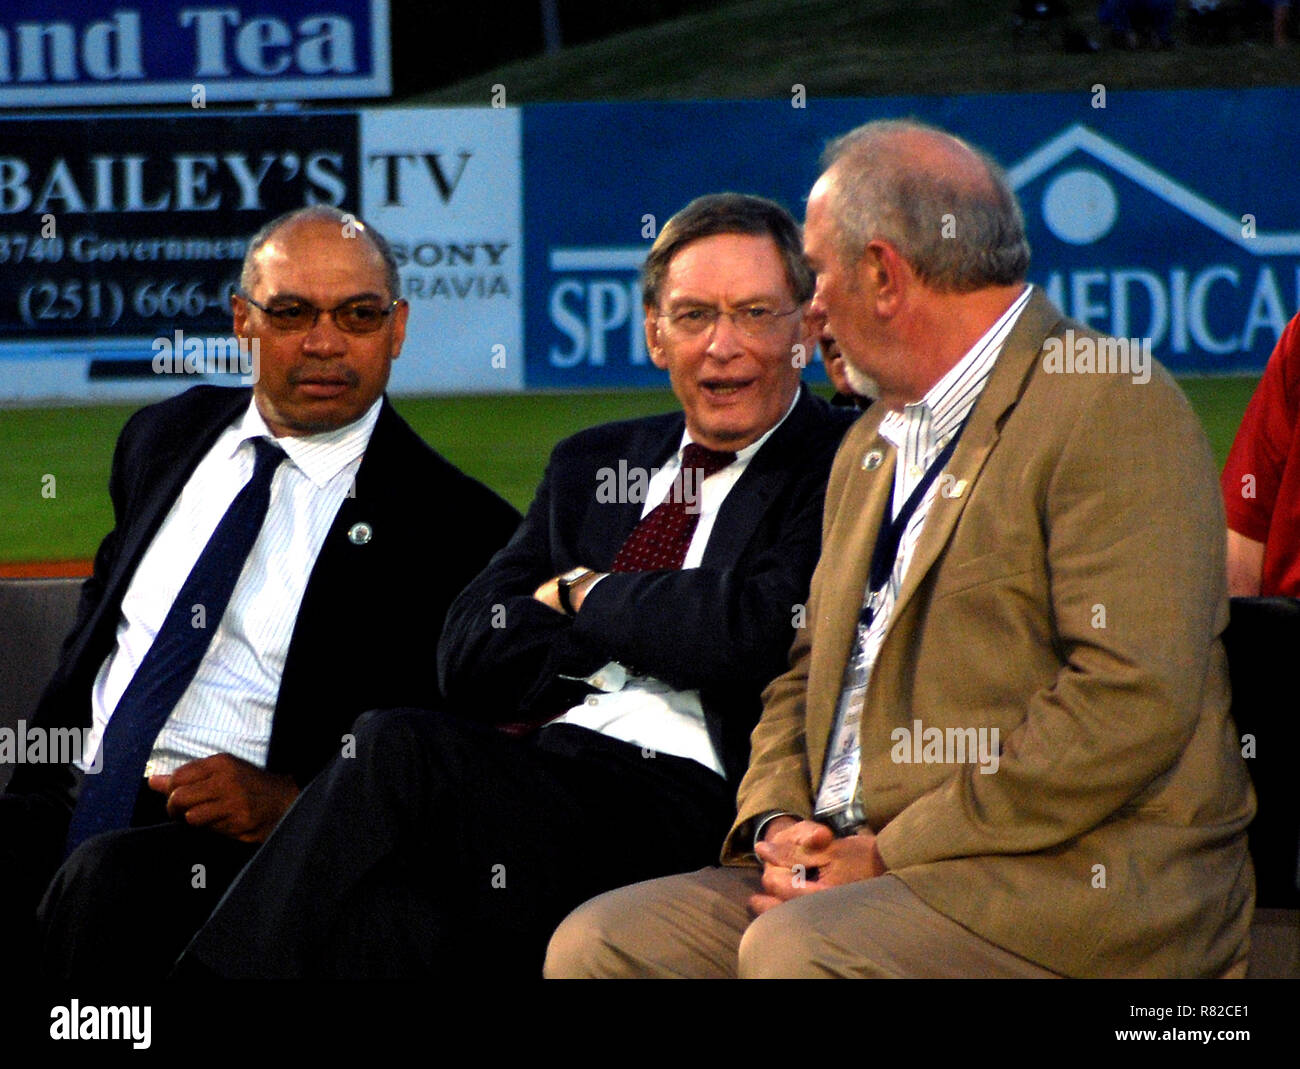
1261, 481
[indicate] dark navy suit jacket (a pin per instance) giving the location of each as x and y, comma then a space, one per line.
724, 627
370, 615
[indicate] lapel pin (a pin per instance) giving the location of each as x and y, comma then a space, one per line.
360, 533
873, 460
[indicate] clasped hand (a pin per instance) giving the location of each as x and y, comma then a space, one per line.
801, 857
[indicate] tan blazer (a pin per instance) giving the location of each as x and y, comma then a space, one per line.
1070, 594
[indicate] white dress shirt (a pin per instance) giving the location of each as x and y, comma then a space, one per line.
644, 710
918, 434
228, 706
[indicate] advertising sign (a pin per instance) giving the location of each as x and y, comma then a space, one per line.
520, 232
118, 232
99, 52
1192, 244
444, 186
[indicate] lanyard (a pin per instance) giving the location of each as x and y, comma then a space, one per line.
892, 527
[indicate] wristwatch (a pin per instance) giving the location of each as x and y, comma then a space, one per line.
567, 582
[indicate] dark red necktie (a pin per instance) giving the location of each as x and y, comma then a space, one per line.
659, 542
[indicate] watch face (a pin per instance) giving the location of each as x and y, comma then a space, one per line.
565, 583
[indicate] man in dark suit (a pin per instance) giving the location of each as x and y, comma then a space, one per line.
651, 592
336, 607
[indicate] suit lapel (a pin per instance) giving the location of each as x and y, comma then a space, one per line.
325, 613
649, 449
762, 480
850, 539
171, 465
376, 482
657, 451
1005, 384
362, 511
167, 477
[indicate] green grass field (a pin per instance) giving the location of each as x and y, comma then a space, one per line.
502, 440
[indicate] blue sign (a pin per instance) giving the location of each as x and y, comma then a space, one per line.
55, 52
99, 240
1136, 229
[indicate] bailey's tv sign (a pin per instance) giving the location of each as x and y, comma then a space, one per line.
122, 236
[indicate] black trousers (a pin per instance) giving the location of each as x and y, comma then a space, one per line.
443, 848
32, 830
123, 904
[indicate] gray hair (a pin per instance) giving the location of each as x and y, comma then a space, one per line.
728, 213
323, 213
955, 221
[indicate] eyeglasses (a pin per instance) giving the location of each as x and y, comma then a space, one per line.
755, 321
361, 315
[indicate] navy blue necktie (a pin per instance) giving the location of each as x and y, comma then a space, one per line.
108, 797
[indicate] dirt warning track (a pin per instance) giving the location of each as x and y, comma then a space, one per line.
46, 569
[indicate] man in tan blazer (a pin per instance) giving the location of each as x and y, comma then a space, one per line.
1003, 745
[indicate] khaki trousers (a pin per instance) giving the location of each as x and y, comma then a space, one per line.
698, 925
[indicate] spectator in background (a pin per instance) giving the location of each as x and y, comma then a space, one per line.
853, 389
1044, 17
1137, 22
1261, 481
1281, 12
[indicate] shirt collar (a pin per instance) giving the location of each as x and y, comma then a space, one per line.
320, 457
949, 401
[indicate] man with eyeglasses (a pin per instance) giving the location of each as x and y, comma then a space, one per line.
281, 561
1003, 747
621, 641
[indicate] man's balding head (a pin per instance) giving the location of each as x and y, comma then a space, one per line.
919, 248
944, 205
321, 365
316, 213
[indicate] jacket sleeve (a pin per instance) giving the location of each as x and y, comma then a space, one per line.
64, 698
504, 656
502, 652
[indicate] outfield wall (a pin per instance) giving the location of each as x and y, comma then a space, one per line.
1172, 216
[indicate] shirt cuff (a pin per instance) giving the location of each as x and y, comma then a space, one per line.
764, 819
